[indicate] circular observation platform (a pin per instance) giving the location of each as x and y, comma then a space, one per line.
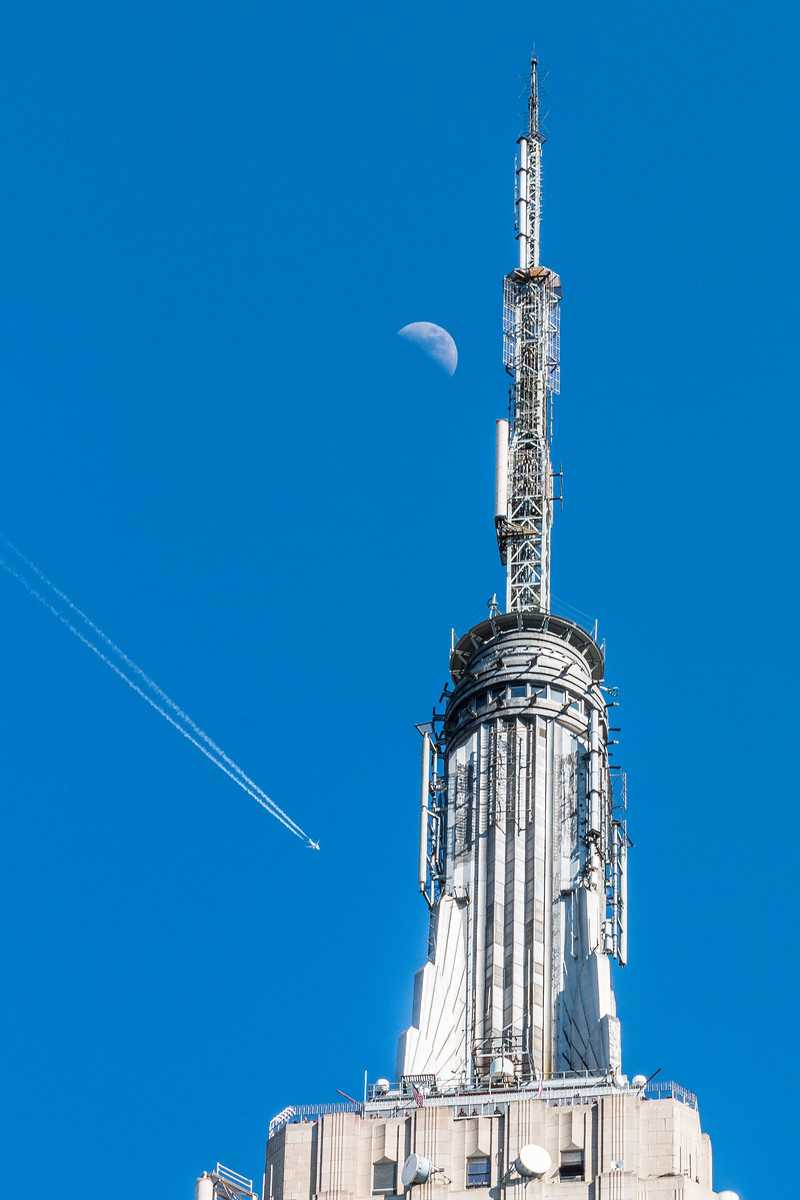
547, 626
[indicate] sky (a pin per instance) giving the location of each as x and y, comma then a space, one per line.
214, 219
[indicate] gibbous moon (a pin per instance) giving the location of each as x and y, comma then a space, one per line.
434, 341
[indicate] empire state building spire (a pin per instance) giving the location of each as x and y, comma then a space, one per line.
524, 479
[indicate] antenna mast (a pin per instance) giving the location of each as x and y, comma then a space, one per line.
524, 479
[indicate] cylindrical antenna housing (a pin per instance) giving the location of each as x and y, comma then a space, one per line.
204, 1188
501, 470
523, 202
424, 796
594, 771
623, 897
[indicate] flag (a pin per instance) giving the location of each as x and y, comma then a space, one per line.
418, 1096
539, 1090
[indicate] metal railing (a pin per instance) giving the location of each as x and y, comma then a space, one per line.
564, 1089
305, 1113
668, 1089
400, 1091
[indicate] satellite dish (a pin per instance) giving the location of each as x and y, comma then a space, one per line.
416, 1169
639, 1081
533, 1161
382, 1087
728, 1196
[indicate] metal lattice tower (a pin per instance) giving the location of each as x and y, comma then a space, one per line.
531, 294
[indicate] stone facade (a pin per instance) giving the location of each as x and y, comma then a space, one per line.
615, 1147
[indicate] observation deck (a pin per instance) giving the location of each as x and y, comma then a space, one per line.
559, 629
565, 1090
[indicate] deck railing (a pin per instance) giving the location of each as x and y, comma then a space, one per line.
564, 1090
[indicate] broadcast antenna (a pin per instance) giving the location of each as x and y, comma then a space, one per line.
524, 479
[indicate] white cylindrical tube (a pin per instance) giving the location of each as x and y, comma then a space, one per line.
536, 183
501, 470
424, 795
613, 850
523, 202
623, 897
204, 1188
594, 771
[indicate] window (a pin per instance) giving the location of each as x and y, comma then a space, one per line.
518, 691
478, 1173
571, 1164
384, 1179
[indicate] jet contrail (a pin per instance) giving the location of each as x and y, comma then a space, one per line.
151, 683
262, 799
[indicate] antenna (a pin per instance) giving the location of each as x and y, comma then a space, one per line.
524, 484
529, 179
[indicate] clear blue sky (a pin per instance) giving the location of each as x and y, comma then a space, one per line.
214, 217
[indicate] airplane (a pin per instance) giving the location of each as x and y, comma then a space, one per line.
313, 845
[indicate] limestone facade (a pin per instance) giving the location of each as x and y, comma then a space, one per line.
614, 1147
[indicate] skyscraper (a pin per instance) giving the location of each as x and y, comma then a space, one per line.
510, 1074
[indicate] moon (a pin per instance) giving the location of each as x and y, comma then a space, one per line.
433, 341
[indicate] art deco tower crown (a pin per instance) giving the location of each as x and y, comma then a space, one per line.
522, 847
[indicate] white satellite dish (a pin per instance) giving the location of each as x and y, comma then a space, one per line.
382, 1086
416, 1169
639, 1081
728, 1196
533, 1161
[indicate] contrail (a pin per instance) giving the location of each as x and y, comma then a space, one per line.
151, 683
262, 799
